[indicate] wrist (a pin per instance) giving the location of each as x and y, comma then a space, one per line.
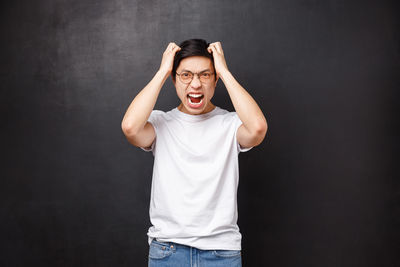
224, 74
163, 73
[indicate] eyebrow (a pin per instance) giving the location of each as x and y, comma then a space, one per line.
198, 72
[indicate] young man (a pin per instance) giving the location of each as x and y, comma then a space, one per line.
193, 206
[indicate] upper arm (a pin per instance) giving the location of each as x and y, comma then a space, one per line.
249, 139
143, 138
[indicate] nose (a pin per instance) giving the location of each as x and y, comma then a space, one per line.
195, 83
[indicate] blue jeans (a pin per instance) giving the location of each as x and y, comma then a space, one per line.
170, 254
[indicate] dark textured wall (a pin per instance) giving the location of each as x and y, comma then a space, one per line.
321, 190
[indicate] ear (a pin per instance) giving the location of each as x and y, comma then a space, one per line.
173, 79
216, 80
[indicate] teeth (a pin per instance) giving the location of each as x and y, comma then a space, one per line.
195, 95
190, 101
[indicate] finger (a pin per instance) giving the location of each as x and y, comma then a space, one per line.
213, 49
218, 46
172, 47
217, 49
214, 43
176, 49
168, 48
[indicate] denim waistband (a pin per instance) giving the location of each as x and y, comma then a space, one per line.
173, 245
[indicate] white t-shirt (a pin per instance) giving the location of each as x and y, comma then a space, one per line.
195, 179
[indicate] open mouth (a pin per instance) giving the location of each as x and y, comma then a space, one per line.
195, 100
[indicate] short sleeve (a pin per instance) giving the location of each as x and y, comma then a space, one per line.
154, 119
238, 123
150, 148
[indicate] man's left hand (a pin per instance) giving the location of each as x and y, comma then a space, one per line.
219, 59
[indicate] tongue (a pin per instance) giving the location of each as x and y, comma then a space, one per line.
195, 99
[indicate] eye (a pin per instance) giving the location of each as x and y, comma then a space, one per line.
186, 75
206, 75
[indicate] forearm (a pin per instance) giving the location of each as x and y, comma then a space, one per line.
142, 105
245, 106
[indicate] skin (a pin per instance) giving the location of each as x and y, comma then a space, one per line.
141, 133
195, 65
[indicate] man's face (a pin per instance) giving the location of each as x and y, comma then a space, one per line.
195, 96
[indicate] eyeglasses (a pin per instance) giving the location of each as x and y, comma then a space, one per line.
187, 76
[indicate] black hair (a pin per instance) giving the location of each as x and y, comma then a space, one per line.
190, 48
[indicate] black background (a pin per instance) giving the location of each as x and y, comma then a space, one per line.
321, 190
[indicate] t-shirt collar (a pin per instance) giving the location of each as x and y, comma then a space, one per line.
194, 118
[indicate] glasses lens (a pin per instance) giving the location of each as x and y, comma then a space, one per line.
186, 77
205, 77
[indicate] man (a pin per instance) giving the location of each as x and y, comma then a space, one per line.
193, 205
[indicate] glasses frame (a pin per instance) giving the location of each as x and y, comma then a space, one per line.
197, 73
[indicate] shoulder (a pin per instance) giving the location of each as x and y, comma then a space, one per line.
158, 117
230, 116
227, 118
222, 112
159, 114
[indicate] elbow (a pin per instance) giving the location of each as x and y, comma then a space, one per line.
259, 132
128, 128
261, 128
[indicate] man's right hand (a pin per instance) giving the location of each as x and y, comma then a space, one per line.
167, 61
135, 126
